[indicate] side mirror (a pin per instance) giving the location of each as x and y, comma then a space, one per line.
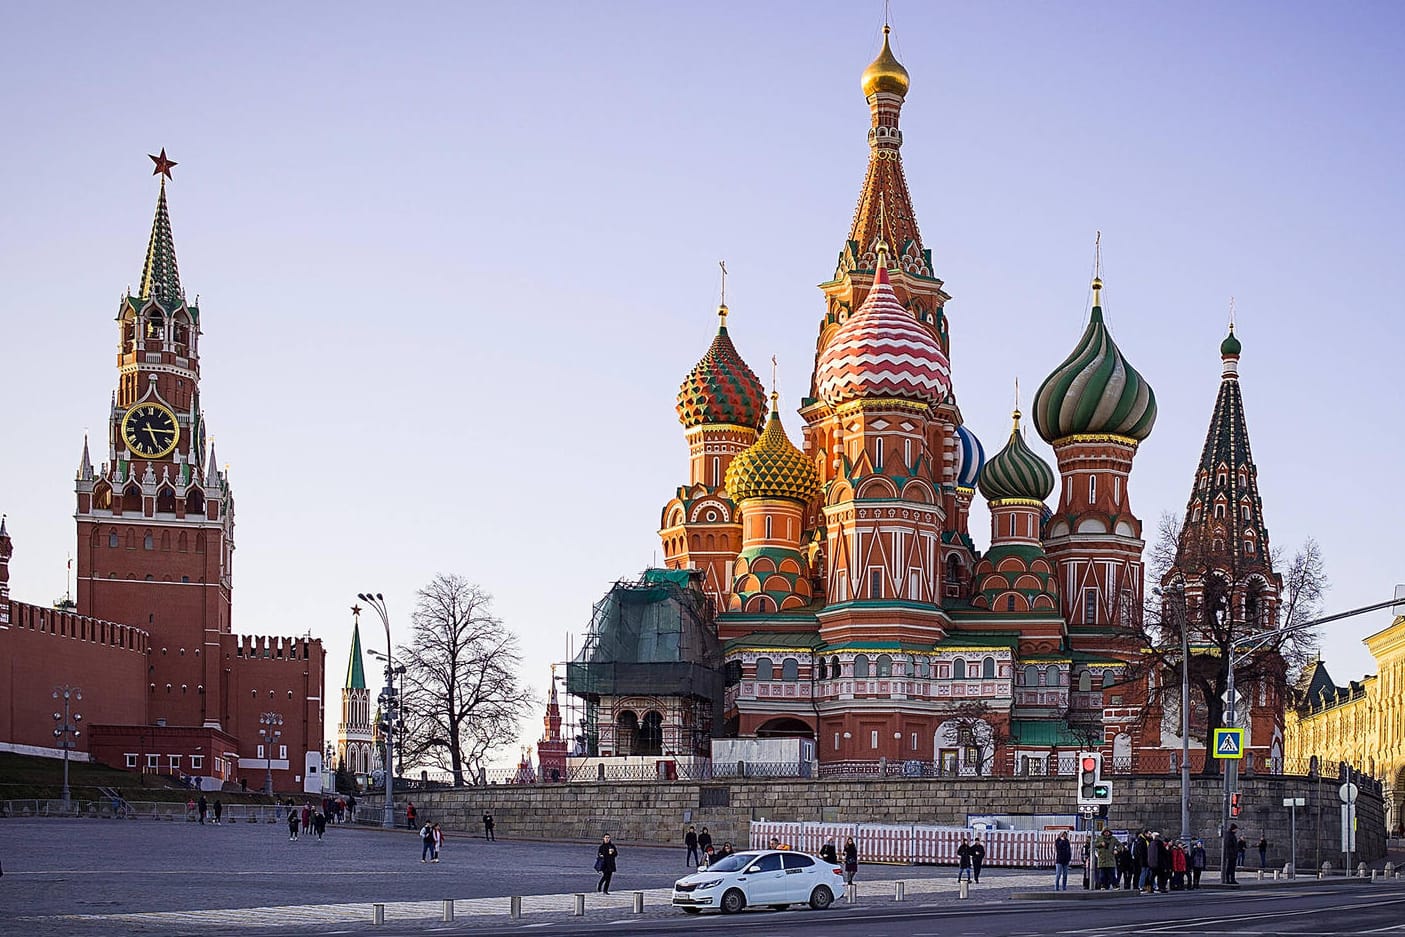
703, 867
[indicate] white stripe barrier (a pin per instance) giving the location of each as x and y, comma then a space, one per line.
1019, 849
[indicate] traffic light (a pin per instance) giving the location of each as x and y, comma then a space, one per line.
1092, 789
1234, 804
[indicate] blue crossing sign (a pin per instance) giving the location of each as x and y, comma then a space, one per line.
1229, 743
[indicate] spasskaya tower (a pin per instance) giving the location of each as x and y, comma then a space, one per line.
156, 520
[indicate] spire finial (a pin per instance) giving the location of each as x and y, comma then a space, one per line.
1098, 269
774, 368
722, 306
1017, 414
1231, 315
163, 166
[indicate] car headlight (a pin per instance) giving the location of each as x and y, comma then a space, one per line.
710, 883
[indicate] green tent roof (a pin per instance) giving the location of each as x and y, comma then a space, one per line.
355, 673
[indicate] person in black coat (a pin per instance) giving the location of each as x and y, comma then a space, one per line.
1231, 854
851, 860
977, 857
1063, 858
828, 853
690, 839
704, 840
1155, 848
963, 859
605, 863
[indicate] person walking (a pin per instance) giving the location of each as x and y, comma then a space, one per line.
1230, 855
963, 859
690, 840
203, 807
292, 826
704, 840
410, 815
488, 826
851, 860
977, 858
1197, 863
319, 824
190, 809
426, 842
219, 811
307, 818
1263, 852
1063, 858
605, 858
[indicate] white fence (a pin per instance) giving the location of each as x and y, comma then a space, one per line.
932, 845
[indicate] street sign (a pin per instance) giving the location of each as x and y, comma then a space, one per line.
1236, 703
1295, 801
1229, 743
1347, 792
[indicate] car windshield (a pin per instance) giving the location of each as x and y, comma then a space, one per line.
733, 863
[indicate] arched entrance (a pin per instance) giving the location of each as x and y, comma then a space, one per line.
784, 728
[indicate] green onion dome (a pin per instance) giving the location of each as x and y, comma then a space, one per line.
1016, 472
1230, 347
1095, 391
772, 467
721, 389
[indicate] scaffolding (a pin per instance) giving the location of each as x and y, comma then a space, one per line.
651, 637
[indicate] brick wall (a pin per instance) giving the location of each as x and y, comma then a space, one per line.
657, 814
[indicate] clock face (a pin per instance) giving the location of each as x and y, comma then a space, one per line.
150, 430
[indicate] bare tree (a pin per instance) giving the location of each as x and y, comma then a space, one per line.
462, 697
973, 730
1216, 619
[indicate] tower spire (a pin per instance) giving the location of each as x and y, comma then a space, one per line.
722, 304
1098, 270
355, 670
160, 278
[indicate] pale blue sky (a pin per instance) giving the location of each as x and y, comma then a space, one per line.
454, 259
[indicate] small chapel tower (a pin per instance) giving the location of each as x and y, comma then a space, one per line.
356, 747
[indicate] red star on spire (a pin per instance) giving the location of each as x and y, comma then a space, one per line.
163, 165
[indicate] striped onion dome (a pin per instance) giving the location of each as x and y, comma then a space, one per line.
1016, 471
1095, 390
772, 467
970, 457
883, 351
721, 388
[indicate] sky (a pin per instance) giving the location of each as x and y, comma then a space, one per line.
454, 259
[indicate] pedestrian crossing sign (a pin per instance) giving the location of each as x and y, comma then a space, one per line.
1229, 743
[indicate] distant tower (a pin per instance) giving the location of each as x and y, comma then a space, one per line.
1095, 410
356, 747
7, 550
551, 750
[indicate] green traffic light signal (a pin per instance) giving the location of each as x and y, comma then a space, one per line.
1101, 791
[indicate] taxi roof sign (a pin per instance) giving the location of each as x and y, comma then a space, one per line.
1229, 743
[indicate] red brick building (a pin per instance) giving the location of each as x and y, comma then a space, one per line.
155, 551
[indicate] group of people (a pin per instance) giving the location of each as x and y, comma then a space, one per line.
311, 820
431, 839
1148, 862
201, 809
701, 849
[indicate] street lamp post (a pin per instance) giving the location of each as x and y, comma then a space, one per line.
66, 728
269, 731
388, 707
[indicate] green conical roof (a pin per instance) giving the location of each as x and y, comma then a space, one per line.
160, 278
1016, 472
355, 673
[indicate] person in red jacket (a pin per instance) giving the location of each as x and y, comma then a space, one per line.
1178, 866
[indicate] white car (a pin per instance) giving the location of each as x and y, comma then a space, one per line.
771, 877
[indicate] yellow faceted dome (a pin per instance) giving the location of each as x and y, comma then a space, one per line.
885, 73
772, 467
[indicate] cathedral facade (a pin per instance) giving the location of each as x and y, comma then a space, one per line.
854, 605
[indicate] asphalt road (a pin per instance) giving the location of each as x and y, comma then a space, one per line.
82, 877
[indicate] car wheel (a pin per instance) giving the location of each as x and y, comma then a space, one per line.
691, 910
821, 898
733, 901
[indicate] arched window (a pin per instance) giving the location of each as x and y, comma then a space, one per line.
651, 734
885, 665
821, 672
765, 669
131, 497
1031, 675
148, 543
155, 325
626, 732
1085, 681
112, 539
1108, 679
861, 667
988, 668
166, 500
953, 570
768, 527
835, 670
790, 670
958, 669
102, 497
920, 668
195, 502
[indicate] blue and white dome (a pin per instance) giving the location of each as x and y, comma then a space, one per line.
970, 457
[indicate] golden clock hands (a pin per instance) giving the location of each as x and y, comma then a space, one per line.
152, 433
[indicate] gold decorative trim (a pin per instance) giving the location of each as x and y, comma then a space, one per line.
1017, 502
882, 403
1095, 437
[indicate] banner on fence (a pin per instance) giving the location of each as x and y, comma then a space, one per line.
911, 843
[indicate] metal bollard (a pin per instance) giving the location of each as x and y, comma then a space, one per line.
1361, 869
1373, 875
965, 888
638, 902
578, 908
1261, 875
448, 909
1275, 874
851, 892
514, 908
900, 891
377, 914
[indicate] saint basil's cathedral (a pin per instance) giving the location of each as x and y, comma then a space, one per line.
852, 605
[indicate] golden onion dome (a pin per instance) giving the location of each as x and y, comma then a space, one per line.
885, 73
772, 467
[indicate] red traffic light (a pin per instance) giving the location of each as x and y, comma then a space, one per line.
1090, 763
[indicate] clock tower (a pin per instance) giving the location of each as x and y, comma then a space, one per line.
156, 520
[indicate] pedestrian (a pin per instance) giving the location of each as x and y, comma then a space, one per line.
829, 853
851, 860
292, 826
690, 840
1163, 869
204, 806
1178, 866
977, 857
1124, 866
1230, 855
319, 824
727, 849
704, 839
1263, 852
963, 859
710, 856
410, 815
1105, 860
306, 818
1154, 848
438, 841
1139, 861
605, 863
219, 811
1063, 858
426, 842
351, 808
244, 785
488, 826
190, 809
1197, 863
